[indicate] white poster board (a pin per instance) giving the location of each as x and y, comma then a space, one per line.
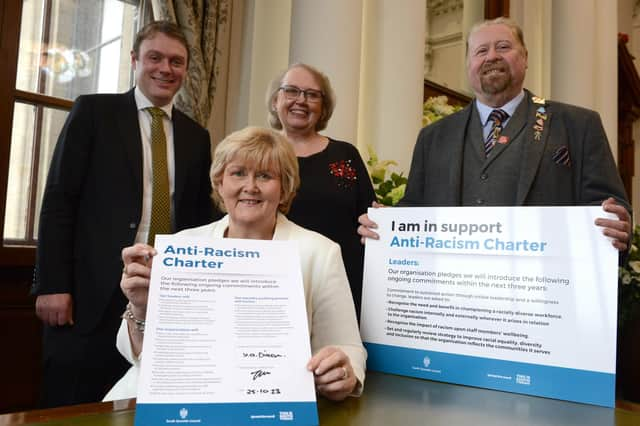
521, 299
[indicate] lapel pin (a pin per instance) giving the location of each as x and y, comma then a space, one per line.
540, 118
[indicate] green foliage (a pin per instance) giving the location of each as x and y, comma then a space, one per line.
629, 282
388, 191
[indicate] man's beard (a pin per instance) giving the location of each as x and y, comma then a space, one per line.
495, 84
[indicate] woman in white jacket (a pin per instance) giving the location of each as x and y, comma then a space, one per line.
255, 177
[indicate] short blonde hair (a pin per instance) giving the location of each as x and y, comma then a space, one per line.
507, 22
328, 96
264, 149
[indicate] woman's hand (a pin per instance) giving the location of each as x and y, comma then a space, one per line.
137, 261
334, 376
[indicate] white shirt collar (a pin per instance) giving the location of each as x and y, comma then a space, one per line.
509, 108
142, 102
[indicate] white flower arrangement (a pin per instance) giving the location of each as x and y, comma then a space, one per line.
388, 191
629, 282
437, 107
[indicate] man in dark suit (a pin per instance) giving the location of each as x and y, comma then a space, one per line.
511, 148
98, 199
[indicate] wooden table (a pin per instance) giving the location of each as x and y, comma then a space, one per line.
388, 400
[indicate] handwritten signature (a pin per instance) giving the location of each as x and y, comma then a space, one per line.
258, 373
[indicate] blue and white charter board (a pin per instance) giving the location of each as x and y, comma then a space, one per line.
519, 299
226, 340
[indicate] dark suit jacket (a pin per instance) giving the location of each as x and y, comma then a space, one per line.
545, 179
93, 200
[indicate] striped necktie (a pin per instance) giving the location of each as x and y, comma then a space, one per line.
497, 118
160, 222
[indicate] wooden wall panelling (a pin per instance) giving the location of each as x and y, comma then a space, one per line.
431, 88
628, 111
21, 331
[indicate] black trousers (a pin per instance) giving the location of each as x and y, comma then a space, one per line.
80, 367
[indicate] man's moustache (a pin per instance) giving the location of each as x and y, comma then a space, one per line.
499, 64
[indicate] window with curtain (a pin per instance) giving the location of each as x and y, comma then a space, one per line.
66, 48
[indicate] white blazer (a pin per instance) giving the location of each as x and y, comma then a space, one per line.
330, 312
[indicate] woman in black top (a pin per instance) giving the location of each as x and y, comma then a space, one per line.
335, 187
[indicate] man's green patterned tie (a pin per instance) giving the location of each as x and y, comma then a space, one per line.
161, 199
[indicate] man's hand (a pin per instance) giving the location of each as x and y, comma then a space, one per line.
55, 309
619, 230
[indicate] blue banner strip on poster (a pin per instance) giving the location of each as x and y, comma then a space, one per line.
266, 413
590, 387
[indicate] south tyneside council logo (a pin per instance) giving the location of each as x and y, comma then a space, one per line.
426, 361
425, 365
184, 413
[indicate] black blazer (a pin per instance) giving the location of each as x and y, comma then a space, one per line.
93, 200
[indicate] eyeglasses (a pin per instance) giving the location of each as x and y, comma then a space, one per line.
292, 92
